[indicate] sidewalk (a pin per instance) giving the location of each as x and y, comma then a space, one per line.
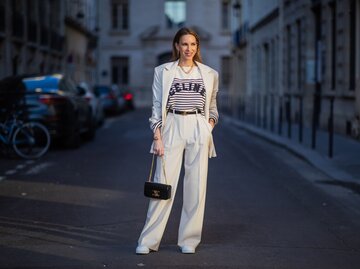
345, 164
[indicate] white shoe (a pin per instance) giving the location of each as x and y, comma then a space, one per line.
142, 250
188, 250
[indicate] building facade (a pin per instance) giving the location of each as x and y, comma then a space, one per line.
39, 37
81, 27
29, 41
303, 63
136, 35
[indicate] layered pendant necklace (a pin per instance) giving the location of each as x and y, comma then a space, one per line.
189, 70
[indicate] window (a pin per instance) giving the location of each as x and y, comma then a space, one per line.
42, 10
299, 53
70, 85
357, 56
2, 62
120, 15
266, 67
276, 63
225, 15
273, 76
17, 6
333, 8
120, 70
55, 20
258, 75
288, 57
353, 51
175, 12
225, 71
31, 12
2, 16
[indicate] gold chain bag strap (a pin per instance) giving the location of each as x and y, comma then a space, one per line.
157, 190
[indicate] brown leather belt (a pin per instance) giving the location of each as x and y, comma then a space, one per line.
184, 113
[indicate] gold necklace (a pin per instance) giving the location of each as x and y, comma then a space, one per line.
187, 72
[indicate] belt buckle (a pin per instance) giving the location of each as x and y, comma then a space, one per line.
184, 113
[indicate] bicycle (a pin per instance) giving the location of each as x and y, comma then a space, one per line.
29, 140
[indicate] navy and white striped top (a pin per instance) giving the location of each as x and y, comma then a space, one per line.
187, 93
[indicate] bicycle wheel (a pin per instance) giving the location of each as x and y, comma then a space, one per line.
31, 140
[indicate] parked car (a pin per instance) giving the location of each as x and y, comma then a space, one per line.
55, 101
114, 99
112, 104
129, 99
97, 107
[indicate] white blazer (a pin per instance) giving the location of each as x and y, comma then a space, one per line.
163, 77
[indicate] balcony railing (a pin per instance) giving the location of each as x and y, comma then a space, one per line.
18, 25
32, 31
2, 18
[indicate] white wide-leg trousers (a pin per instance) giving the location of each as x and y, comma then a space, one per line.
189, 134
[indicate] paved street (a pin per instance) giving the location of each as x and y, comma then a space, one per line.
84, 208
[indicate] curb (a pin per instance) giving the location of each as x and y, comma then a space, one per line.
324, 164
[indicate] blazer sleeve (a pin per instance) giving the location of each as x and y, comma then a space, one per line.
155, 119
213, 111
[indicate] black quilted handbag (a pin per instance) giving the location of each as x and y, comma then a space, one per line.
157, 190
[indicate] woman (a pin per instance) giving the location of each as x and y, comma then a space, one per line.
184, 113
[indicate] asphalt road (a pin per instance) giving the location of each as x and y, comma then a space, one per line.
84, 208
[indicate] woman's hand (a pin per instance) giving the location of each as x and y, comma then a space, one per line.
212, 123
158, 147
158, 144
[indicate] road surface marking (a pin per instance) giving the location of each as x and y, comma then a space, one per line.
38, 168
10, 172
20, 166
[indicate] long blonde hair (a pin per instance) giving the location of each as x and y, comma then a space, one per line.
176, 40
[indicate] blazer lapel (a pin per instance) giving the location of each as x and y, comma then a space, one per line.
206, 76
168, 77
208, 82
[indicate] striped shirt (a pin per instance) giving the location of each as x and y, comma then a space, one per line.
187, 93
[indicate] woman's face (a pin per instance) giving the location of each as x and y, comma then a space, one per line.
187, 47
